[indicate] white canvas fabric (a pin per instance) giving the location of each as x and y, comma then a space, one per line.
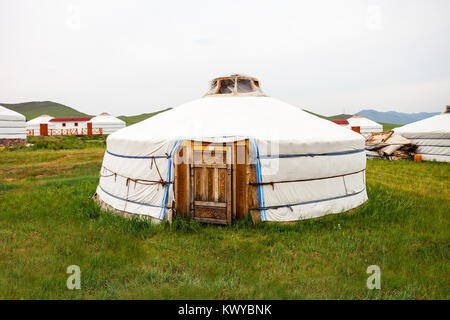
12, 124
431, 135
308, 148
366, 125
35, 124
108, 123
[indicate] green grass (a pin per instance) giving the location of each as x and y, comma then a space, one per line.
390, 126
48, 222
129, 120
34, 109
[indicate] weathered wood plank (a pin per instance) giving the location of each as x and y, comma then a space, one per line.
210, 203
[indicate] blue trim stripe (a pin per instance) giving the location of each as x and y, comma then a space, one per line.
261, 202
168, 178
310, 154
131, 201
135, 157
260, 157
314, 201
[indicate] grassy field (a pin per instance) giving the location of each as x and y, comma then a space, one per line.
390, 126
48, 222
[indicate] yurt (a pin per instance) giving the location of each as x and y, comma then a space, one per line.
231, 153
365, 125
12, 127
34, 125
431, 135
107, 123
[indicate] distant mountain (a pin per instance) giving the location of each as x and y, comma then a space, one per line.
34, 109
395, 117
138, 118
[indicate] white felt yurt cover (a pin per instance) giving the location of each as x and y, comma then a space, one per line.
35, 124
325, 161
366, 125
107, 122
12, 124
431, 135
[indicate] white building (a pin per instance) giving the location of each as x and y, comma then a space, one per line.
12, 127
365, 125
102, 124
34, 125
107, 123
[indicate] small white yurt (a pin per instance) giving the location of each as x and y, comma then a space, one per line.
431, 135
107, 123
12, 127
231, 153
34, 125
365, 125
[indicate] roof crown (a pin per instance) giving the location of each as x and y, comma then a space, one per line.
235, 85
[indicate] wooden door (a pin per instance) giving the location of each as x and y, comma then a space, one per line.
43, 129
211, 179
89, 129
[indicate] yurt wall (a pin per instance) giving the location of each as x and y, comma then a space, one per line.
12, 127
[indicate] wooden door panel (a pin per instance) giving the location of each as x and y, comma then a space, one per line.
210, 184
211, 214
222, 185
211, 192
198, 192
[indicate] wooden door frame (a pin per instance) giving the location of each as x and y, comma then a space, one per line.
239, 174
229, 180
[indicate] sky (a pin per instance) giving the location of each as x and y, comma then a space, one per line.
130, 57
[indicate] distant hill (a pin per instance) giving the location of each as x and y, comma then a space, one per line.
315, 114
336, 117
34, 109
138, 118
395, 117
341, 116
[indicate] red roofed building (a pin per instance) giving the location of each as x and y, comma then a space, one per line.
70, 123
70, 119
343, 123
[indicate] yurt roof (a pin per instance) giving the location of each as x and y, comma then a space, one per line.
42, 118
8, 114
231, 114
105, 117
361, 121
437, 126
